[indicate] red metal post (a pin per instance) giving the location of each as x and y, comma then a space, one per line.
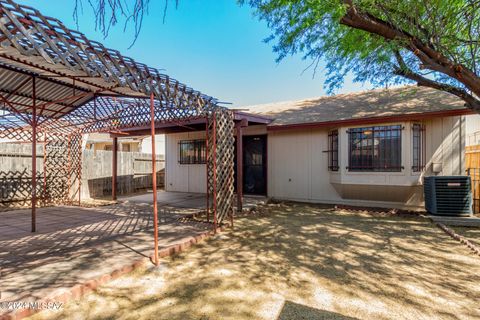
154, 178
71, 192
44, 168
206, 167
214, 173
114, 168
79, 172
34, 157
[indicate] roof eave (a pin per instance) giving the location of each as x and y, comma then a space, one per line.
254, 118
372, 120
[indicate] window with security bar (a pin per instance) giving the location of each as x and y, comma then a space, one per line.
192, 152
419, 147
333, 150
375, 149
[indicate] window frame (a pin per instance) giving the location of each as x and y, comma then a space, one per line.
333, 145
418, 147
199, 147
375, 136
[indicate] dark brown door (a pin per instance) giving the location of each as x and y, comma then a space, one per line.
255, 165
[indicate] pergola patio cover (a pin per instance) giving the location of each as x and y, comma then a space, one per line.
56, 84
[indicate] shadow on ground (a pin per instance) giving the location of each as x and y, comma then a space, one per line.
73, 245
307, 260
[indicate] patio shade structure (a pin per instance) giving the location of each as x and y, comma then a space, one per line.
56, 85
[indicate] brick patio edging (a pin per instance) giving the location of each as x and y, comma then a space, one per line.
459, 238
83, 288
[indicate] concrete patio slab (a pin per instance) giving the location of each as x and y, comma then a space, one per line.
457, 221
185, 200
74, 245
171, 199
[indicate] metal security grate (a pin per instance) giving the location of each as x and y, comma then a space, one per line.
376, 148
419, 147
333, 150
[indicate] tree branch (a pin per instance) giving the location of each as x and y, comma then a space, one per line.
428, 56
404, 71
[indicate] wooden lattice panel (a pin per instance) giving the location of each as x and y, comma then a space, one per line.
52, 178
56, 165
220, 163
75, 167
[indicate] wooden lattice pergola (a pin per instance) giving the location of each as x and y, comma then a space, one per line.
56, 85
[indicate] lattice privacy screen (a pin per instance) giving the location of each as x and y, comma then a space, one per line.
220, 161
58, 170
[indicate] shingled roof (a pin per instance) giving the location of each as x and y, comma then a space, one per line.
379, 103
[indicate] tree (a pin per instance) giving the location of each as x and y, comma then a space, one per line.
434, 43
110, 12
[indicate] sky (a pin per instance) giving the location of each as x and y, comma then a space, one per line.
214, 46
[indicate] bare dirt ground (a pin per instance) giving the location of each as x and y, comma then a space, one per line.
301, 262
471, 233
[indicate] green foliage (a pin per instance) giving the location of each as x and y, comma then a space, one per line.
314, 28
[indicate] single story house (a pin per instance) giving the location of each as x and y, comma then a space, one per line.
370, 148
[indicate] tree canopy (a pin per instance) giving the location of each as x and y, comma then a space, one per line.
433, 43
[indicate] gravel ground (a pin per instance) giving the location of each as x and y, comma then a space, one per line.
301, 262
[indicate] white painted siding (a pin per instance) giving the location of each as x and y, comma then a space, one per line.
446, 146
190, 177
298, 168
183, 177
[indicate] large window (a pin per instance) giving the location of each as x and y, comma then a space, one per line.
192, 152
418, 144
375, 148
333, 150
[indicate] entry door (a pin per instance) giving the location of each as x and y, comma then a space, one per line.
255, 165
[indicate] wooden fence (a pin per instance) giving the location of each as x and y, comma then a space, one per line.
134, 173
472, 164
